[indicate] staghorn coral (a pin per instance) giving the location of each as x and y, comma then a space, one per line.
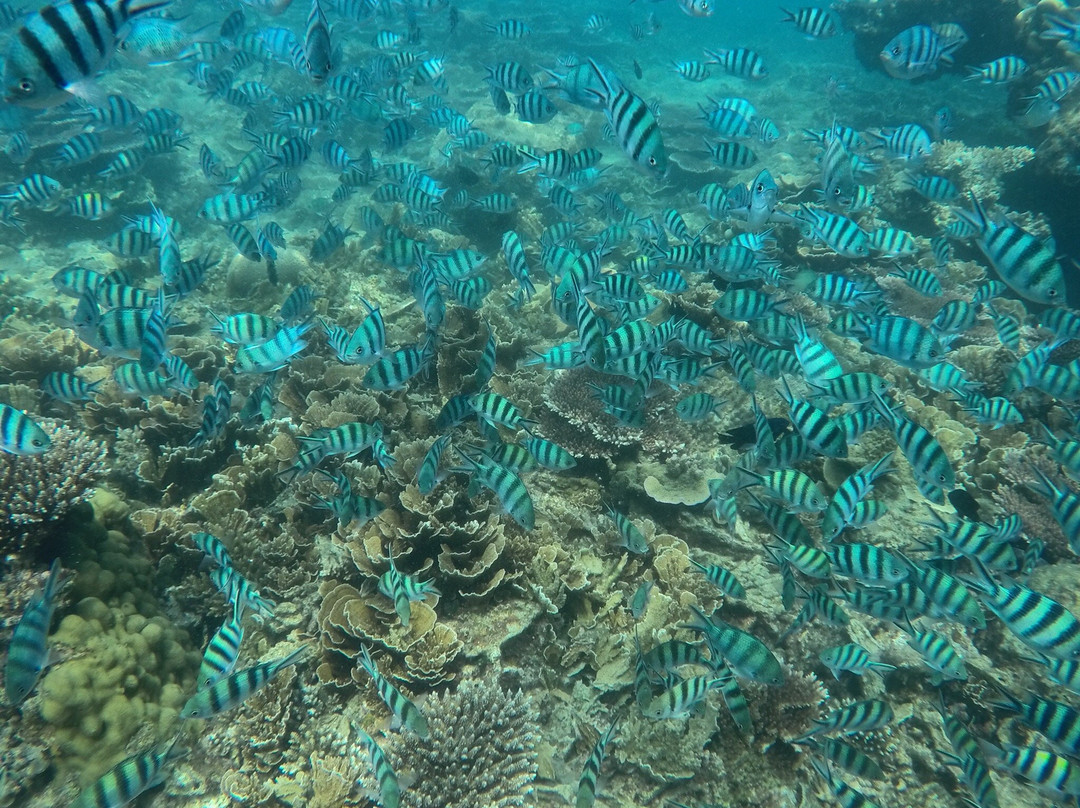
480, 751
39, 489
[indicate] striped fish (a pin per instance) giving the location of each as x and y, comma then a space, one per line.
28, 653
236, 688
815, 425
20, 434
633, 122
590, 772
63, 45
845, 794
681, 699
743, 652
862, 716
1040, 622
404, 710
221, 653
129, 778
850, 657
506, 485
815, 22
385, 776
1021, 259
318, 50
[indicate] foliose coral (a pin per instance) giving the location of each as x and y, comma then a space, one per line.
39, 489
480, 751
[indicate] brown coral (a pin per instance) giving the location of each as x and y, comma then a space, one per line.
480, 751
39, 489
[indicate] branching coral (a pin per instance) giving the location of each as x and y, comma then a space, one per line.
41, 488
480, 751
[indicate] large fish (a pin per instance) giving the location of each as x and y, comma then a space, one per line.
64, 45
633, 123
1022, 260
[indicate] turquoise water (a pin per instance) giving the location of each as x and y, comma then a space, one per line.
389, 449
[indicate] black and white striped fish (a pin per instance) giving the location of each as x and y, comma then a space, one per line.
64, 45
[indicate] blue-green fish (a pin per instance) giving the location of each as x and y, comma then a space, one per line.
129, 778
590, 772
404, 710
1024, 261
20, 434
28, 653
236, 688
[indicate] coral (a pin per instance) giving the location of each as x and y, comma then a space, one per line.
480, 751
978, 169
348, 620
23, 759
571, 415
1014, 495
124, 667
39, 489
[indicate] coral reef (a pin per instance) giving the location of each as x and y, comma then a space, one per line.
39, 489
480, 751
982, 170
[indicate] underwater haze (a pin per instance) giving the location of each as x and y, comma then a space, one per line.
440, 404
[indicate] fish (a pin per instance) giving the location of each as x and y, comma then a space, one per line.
590, 771
1020, 259
222, 651
860, 716
633, 122
743, 652
20, 434
852, 658
61, 46
385, 776
916, 52
404, 710
236, 688
318, 48
129, 778
28, 653
814, 21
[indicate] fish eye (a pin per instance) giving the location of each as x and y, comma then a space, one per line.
26, 85
652, 161
38, 442
897, 50
933, 352
1052, 292
941, 477
760, 187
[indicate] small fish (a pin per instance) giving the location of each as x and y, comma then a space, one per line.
129, 778
916, 52
590, 772
746, 654
28, 652
236, 688
862, 716
221, 653
630, 537
20, 434
851, 657
404, 710
815, 22
385, 777
640, 600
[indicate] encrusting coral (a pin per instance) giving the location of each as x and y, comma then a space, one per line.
480, 751
38, 489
